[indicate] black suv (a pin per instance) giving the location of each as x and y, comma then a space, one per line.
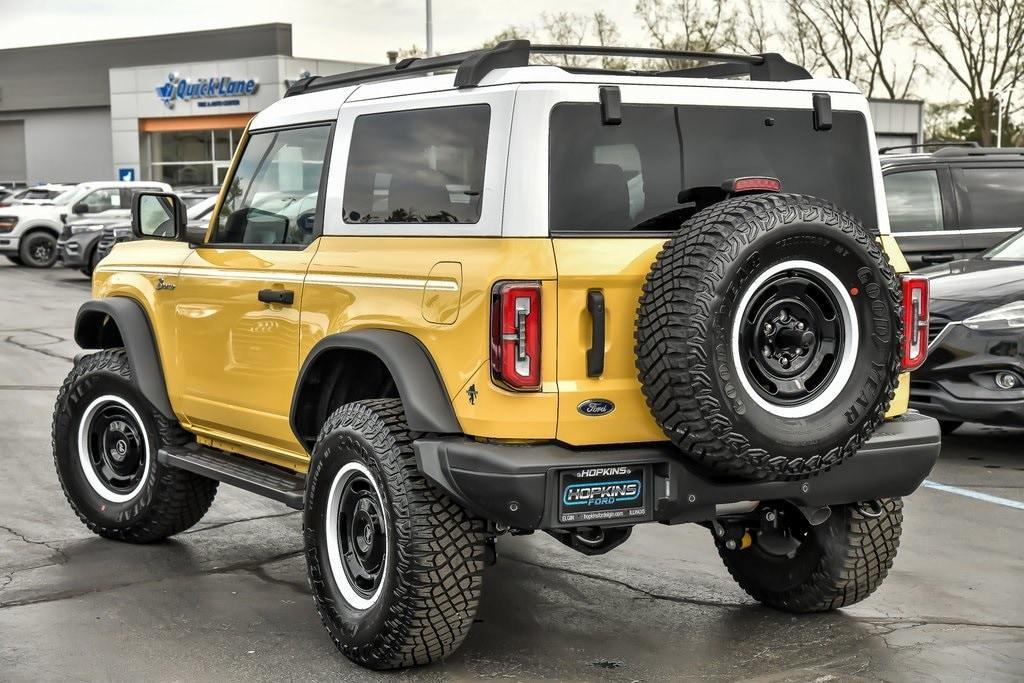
954, 202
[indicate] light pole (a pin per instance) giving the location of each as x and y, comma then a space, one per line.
999, 118
430, 30
1001, 101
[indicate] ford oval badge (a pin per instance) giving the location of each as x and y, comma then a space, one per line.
595, 407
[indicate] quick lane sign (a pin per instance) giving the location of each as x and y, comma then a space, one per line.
211, 91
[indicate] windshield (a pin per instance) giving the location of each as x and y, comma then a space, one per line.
201, 208
68, 196
663, 163
1008, 250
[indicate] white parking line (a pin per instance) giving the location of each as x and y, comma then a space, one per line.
1008, 502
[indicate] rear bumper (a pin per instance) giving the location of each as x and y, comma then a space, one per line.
519, 485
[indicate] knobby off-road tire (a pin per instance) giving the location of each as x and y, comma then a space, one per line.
101, 426
769, 337
840, 562
405, 592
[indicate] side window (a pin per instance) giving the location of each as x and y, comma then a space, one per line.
914, 201
272, 198
417, 166
996, 198
102, 200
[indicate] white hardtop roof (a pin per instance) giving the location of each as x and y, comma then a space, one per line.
324, 105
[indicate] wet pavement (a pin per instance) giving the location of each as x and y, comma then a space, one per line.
228, 600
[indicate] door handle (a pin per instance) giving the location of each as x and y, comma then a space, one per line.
937, 258
285, 297
595, 354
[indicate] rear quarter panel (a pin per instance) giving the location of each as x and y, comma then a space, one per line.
392, 283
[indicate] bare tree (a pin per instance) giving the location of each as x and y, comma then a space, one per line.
689, 25
832, 26
855, 40
568, 28
979, 42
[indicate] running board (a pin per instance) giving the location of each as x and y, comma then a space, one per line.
252, 475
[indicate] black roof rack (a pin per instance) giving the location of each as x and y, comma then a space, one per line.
472, 66
977, 151
921, 145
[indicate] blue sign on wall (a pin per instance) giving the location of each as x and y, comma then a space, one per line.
126, 174
178, 88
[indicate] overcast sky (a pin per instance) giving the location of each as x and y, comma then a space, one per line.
354, 30
358, 30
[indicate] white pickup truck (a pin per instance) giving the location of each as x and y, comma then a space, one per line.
29, 232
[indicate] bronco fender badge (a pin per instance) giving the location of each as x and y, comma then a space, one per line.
595, 407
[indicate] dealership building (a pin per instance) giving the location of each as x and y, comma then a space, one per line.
172, 107
168, 107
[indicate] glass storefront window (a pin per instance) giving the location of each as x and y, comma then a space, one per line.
192, 145
194, 157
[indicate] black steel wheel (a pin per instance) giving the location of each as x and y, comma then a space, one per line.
112, 442
38, 249
360, 531
794, 329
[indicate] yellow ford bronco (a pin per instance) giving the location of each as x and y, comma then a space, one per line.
467, 296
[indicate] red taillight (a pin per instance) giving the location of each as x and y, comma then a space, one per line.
752, 184
515, 335
915, 321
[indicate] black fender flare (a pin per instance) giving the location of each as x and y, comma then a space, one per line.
428, 408
134, 332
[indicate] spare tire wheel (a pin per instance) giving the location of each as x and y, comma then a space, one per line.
769, 336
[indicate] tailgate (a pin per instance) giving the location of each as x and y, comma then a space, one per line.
615, 268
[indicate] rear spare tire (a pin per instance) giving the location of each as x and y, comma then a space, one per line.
769, 336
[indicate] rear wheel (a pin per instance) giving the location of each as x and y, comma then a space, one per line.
38, 249
394, 564
796, 567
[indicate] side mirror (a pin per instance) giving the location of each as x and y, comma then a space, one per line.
159, 215
80, 208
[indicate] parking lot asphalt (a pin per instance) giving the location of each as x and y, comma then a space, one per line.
228, 600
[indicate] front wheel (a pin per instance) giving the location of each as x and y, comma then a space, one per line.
394, 564
38, 250
105, 441
795, 567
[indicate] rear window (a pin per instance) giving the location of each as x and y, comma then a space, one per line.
417, 166
995, 197
657, 168
914, 201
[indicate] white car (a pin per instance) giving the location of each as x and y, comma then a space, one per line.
29, 232
38, 194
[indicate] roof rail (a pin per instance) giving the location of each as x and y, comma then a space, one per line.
968, 143
472, 66
979, 151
